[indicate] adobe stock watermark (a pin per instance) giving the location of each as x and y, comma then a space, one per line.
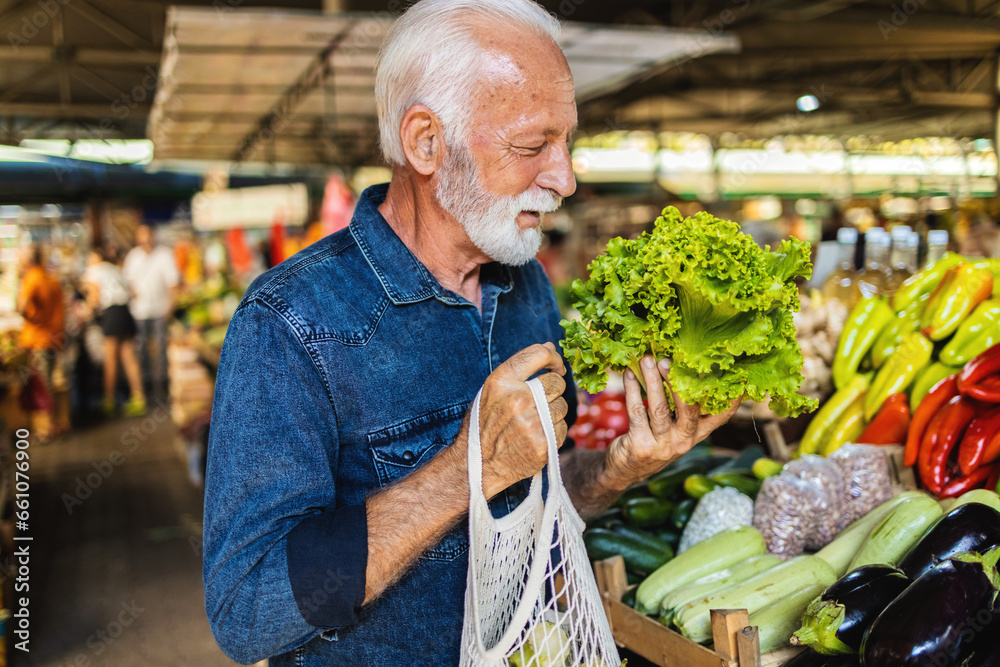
901, 13
32, 23
137, 434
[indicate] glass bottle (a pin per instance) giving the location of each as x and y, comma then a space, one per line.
871, 278
840, 284
937, 245
898, 269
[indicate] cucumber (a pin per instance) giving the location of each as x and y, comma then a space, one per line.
744, 460
669, 536
639, 490
698, 486
629, 597
666, 483
716, 581
764, 468
643, 554
893, 536
756, 593
841, 551
647, 512
606, 518
777, 623
716, 553
681, 514
741, 480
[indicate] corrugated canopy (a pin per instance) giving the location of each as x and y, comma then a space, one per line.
267, 86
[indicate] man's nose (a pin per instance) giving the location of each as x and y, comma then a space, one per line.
557, 174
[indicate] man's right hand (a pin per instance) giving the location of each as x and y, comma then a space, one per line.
513, 443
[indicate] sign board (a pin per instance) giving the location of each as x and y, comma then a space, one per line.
250, 207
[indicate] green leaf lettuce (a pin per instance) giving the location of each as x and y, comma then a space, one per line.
704, 294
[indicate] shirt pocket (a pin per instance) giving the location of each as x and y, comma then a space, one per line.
401, 449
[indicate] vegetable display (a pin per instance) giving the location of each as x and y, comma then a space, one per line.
700, 292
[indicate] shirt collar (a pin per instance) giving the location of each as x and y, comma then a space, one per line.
403, 277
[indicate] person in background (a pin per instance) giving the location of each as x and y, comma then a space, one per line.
40, 302
152, 274
108, 295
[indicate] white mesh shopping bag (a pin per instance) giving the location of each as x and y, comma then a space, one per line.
531, 599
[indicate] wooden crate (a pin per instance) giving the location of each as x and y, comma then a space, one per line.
736, 643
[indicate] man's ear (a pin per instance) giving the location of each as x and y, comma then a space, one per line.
423, 139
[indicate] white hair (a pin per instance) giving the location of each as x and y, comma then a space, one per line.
431, 56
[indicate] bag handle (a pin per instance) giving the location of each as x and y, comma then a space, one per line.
543, 536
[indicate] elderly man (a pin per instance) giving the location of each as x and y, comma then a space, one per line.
337, 482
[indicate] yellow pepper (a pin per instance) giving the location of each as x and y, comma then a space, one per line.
911, 357
849, 429
830, 415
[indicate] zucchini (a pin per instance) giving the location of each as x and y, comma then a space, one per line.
647, 512
643, 554
716, 553
698, 486
984, 496
681, 514
666, 483
756, 593
841, 551
893, 536
777, 623
741, 480
716, 581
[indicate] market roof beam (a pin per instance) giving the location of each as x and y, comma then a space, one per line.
75, 110
125, 34
116, 58
895, 18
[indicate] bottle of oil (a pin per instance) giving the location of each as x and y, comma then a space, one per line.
871, 278
841, 283
937, 245
898, 270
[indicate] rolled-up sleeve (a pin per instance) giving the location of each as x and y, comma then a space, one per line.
282, 562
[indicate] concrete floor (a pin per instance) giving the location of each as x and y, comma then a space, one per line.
116, 565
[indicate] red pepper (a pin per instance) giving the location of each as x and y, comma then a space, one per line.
939, 394
972, 451
942, 436
977, 370
891, 424
986, 390
994, 477
960, 485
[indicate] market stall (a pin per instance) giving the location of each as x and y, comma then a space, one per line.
874, 486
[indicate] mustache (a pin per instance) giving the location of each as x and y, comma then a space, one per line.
542, 201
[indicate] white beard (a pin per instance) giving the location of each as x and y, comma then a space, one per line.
490, 219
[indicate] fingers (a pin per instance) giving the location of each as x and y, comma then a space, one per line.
686, 416
660, 419
558, 409
709, 423
554, 385
533, 359
637, 419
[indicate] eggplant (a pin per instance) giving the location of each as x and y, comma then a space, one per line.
985, 647
970, 527
836, 622
810, 658
931, 622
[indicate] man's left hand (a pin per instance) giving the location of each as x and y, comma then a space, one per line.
656, 436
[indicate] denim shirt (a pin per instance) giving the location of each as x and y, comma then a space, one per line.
346, 368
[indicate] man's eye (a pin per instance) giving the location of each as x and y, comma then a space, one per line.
533, 149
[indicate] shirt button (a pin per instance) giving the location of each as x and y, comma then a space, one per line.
407, 456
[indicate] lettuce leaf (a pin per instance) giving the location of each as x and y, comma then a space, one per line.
701, 292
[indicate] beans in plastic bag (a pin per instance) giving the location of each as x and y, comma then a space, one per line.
718, 510
829, 520
866, 479
785, 513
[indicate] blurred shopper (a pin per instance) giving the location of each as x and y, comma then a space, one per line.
40, 302
108, 296
152, 274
